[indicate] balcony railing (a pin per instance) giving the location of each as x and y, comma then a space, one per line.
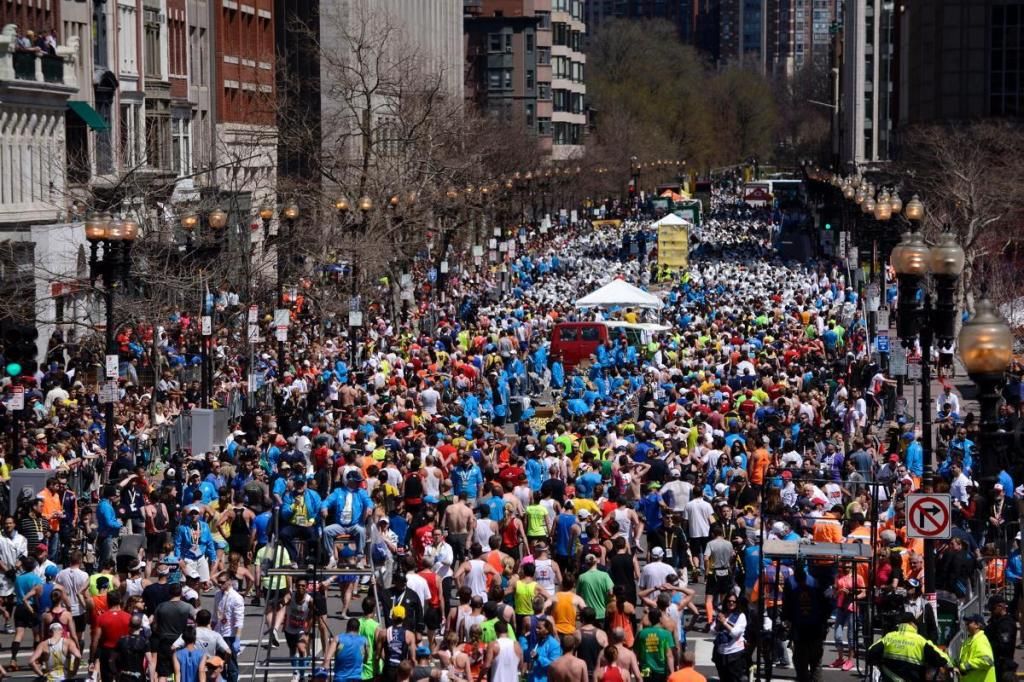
18, 65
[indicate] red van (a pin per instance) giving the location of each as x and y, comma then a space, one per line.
574, 342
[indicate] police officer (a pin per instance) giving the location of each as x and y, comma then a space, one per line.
1002, 635
976, 662
903, 654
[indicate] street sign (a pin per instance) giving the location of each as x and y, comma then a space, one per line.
113, 364
281, 333
108, 392
254, 313
898, 361
882, 341
913, 370
282, 317
17, 401
207, 325
928, 516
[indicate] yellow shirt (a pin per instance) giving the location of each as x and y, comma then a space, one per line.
579, 503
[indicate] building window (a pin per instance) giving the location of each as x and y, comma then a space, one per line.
495, 43
494, 79
1007, 41
544, 91
197, 55
128, 140
529, 79
508, 43
543, 125
158, 141
127, 42
529, 43
545, 21
543, 55
529, 114
152, 44
508, 79
181, 146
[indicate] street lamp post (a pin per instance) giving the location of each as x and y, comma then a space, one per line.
110, 243
217, 219
986, 347
920, 316
358, 226
289, 214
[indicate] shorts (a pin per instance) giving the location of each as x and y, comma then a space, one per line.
23, 618
164, 659
201, 565
697, 546
720, 586
275, 596
293, 638
319, 604
432, 617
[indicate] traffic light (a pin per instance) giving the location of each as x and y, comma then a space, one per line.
19, 342
828, 226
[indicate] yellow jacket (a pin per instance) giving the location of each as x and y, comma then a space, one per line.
976, 660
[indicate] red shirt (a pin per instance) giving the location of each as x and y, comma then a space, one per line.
115, 625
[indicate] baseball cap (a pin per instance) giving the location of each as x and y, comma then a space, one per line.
974, 618
398, 612
191, 574
215, 661
423, 650
163, 569
321, 672
658, 552
583, 513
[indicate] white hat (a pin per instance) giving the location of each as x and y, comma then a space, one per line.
549, 447
583, 514
657, 552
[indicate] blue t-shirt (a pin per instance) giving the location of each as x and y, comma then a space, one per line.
261, 524
348, 660
586, 483
24, 584
651, 508
496, 505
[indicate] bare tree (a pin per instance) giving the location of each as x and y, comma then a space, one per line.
969, 175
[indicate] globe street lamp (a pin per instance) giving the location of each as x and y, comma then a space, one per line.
986, 348
918, 315
110, 243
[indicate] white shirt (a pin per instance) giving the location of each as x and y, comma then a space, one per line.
10, 549
736, 642
958, 488
698, 518
418, 584
228, 612
653, 575
73, 580
443, 556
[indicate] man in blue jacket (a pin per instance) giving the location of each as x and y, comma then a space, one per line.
194, 546
466, 478
108, 525
299, 515
346, 511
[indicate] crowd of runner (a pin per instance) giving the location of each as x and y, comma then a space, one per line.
513, 515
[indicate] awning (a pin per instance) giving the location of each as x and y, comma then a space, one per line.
91, 117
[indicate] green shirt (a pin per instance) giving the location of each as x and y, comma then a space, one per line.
594, 586
368, 629
536, 515
487, 633
652, 647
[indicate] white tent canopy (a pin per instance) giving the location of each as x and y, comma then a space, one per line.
619, 293
673, 220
